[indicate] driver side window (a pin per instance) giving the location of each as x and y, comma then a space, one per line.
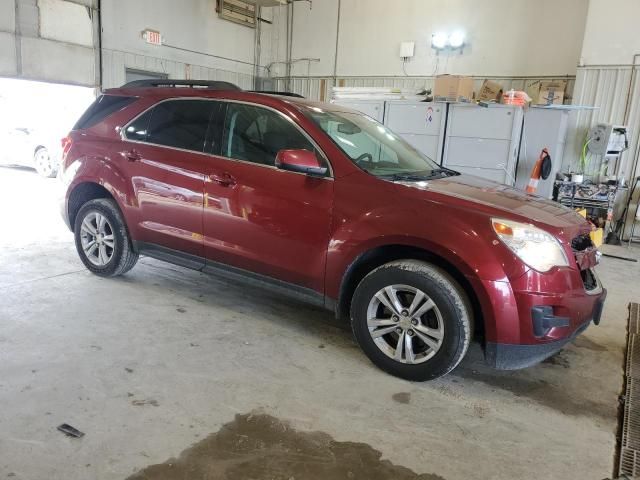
256, 134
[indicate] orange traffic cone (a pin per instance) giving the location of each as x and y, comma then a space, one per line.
537, 171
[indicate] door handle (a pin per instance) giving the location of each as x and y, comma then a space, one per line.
131, 155
224, 179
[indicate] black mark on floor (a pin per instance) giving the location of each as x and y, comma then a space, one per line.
542, 392
144, 402
261, 447
560, 359
181, 310
128, 370
402, 397
584, 342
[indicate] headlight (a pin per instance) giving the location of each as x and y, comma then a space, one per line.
533, 246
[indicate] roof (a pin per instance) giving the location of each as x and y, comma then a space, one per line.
135, 89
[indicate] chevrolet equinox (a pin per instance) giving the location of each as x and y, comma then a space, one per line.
326, 204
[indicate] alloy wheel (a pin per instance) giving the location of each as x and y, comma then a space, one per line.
405, 324
97, 239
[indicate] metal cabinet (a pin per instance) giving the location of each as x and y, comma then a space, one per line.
543, 127
483, 141
421, 124
372, 108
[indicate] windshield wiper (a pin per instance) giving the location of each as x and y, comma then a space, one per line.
406, 177
447, 172
415, 177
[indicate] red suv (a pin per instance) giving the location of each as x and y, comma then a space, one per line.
330, 206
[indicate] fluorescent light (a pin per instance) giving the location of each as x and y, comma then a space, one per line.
439, 40
456, 39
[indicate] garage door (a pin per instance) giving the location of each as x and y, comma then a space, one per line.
48, 40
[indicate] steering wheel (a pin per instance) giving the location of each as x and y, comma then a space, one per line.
361, 158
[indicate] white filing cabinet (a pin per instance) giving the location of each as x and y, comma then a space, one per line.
421, 124
483, 141
543, 127
373, 108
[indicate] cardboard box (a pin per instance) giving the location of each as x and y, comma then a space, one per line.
489, 91
453, 88
551, 93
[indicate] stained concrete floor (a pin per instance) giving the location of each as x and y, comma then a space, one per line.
158, 361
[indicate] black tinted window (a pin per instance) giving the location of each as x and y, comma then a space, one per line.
137, 130
257, 134
180, 124
104, 106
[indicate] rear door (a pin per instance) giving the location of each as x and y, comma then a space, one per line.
256, 216
163, 150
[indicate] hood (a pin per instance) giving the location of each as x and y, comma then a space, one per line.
500, 201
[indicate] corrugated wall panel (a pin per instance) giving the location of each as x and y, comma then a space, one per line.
116, 62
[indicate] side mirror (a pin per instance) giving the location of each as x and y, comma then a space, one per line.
302, 161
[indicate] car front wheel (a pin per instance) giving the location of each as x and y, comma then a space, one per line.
102, 239
412, 320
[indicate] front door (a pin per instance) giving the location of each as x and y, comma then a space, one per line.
163, 155
260, 218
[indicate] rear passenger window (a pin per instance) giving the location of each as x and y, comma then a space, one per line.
174, 123
256, 134
104, 106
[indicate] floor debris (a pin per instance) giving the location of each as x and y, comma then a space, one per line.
70, 431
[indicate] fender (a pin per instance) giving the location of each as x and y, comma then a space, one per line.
463, 237
103, 171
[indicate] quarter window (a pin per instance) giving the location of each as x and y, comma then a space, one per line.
104, 106
256, 134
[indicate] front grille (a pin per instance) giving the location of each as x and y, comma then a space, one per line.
588, 279
581, 242
580, 245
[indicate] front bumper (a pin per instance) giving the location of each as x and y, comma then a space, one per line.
532, 317
506, 356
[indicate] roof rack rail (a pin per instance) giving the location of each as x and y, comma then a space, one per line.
166, 83
274, 92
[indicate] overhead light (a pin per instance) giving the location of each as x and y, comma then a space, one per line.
456, 39
439, 40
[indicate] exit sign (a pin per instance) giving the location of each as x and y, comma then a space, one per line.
152, 37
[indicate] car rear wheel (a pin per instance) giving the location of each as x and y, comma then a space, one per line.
412, 320
102, 239
43, 163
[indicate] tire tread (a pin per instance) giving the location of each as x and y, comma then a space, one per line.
128, 257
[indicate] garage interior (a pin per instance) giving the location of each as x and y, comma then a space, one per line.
170, 373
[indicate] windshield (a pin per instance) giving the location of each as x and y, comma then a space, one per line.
373, 147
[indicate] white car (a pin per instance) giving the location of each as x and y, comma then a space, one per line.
25, 147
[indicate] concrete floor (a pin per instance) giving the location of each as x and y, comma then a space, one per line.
154, 362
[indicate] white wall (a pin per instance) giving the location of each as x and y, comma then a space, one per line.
49, 40
190, 25
611, 35
507, 37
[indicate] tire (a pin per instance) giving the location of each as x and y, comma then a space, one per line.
118, 256
437, 326
43, 163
